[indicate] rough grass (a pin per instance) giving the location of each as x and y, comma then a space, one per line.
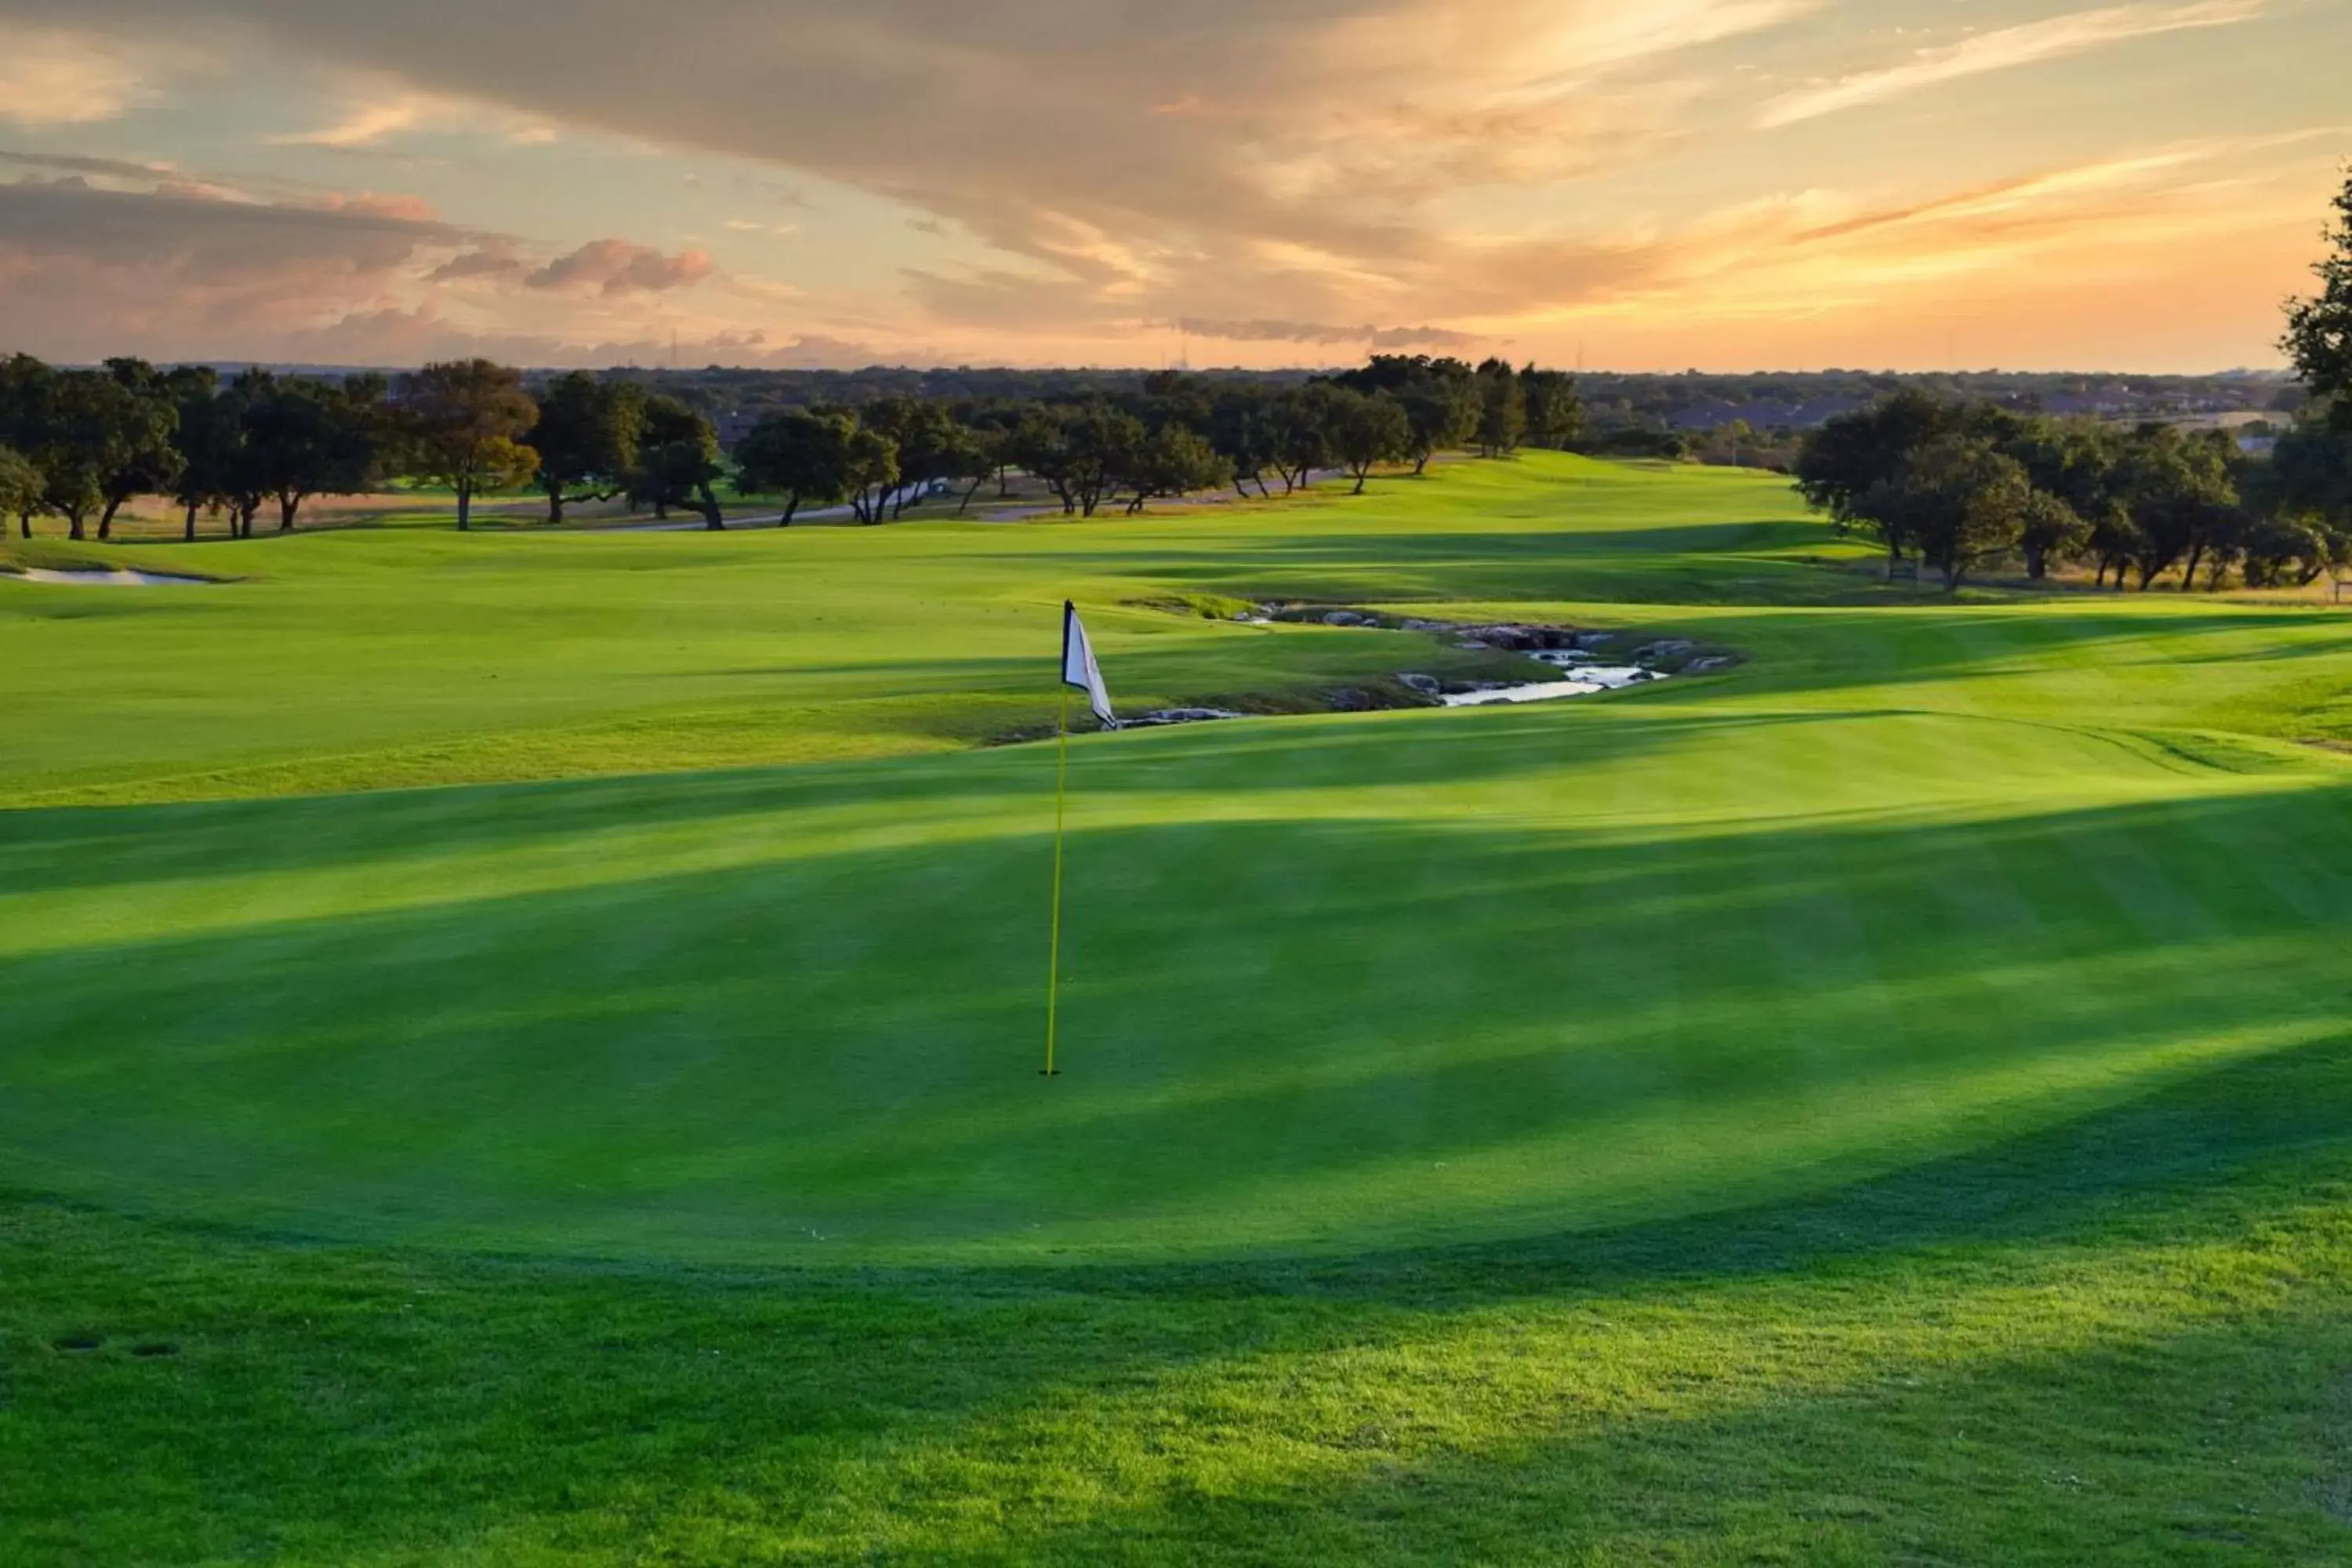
1886, 1104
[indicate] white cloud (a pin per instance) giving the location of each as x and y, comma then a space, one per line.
375, 108
363, 125
613, 268
2053, 38
1280, 168
1296, 170
51, 76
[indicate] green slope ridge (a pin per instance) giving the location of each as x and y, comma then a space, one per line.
1886, 1102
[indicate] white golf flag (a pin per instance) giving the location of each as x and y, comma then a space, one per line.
1078, 666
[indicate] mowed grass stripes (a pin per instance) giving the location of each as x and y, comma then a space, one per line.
1886, 1102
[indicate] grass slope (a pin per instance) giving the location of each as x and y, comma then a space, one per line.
1885, 1104
358, 660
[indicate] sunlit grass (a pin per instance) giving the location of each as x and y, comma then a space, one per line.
1885, 1103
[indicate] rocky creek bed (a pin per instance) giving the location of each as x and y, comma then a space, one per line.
1581, 661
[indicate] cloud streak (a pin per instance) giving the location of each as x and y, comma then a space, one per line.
1297, 184
1077, 179
615, 267
61, 75
1324, 336
110, 254
2007, 49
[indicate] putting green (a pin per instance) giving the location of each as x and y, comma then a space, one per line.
1918, 878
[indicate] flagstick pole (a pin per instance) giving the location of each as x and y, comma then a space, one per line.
1061, 799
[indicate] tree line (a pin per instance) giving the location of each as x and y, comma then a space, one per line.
1958, 484
1958, 487
1173, 434
80, 444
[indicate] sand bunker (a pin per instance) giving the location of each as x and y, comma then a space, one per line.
119, 577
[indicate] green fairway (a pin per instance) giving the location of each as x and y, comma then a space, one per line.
545, 1028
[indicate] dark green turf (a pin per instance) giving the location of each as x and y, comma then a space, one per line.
1884, 1104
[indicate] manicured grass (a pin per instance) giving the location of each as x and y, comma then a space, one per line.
1888, 1103
364, 659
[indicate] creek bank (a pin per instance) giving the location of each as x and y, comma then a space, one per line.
1585, 659
1576, 662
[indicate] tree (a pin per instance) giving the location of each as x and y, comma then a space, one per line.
143, 459
21, 487
1176, 397
1854, 456
586, 437
678, 461
1960, 500
195, 393
2181, 496
802, 456
873, 471
1040, 444
1367, 429
1302, 433
2310, 475
1438, 415
991, 426
98, 437
1241, 426
2319, 329
2049, 530
2282, 549
1175, 461
2074, 462
28, 388
1440, 398
1079, 452
1103, 442
927, 443
1502, 408
2302, 504
464, 421
984, 456
1555, 415
243, 481
99, 443
303, 438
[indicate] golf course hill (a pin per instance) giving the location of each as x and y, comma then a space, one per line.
519, 1044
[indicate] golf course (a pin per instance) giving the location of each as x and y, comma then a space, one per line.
522, 1048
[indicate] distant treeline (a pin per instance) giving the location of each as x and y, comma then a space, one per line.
80, 444
1798, 400
1962, 485
1691, 402
1958, 483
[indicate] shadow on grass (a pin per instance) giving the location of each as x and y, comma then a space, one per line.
1569, 1025
103, 846
2023, 1353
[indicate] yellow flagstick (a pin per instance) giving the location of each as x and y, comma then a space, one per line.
1054, 963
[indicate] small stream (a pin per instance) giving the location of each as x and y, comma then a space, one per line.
1584, 675
1583, 662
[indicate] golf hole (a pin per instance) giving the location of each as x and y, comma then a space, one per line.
77, 1344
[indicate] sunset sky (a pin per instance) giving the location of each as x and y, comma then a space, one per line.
1721, 184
